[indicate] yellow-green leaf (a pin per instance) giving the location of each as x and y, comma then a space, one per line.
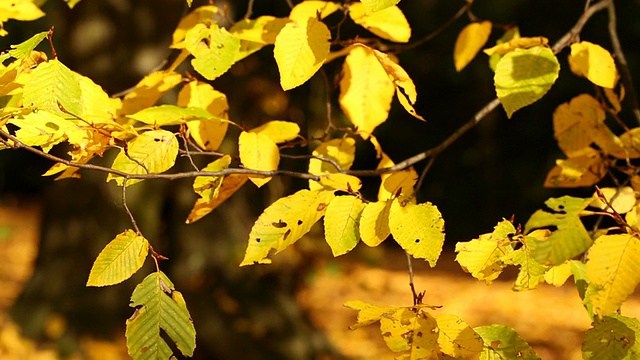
456, 338
98, 107
164, 115
593, 62
482, 257
390, 23
152, 152
583, 169
612, 337
24, 49
570, 237
377, 5
262, 30
469, 42
160, 308
312, 9
149, 90
531, 271
401, 182
622, 199
374, 223
121, 258
558, 274
613, 267
516, 42
201, 15
43, 129
522, 77
340, 151
208, 186
207, 133
230, 184
283, 223
258, 152
301, 48
512, 33
214, 49
366, 91
419, 229
341, 223
50, 85
278, 131
502, 342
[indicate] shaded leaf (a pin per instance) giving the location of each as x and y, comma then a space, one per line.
469, 42
516, 42
584, 169
214, 49
340, 151
230, 184
622, 199
374, 223
208, 186
558, 274
262, 30
164, 115
313, 9
511, 34
398, 182
149, 90
502, 342
612, 337
377, 5
122, 257
208, 133
341, 223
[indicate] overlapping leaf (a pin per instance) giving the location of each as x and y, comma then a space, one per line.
52, 85
262, 30
338, 151
377, 5
341, 223
208, 133
390, 23
23, 10
502, 342
584, 168
283, 223
258, 152
456, 338
208, 187
122, 257
159, 309
374, 223
214, 49
313, 9
230, 184
531, 272
149, 90
593, 62
164, 115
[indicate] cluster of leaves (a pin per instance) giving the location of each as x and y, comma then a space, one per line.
45, 104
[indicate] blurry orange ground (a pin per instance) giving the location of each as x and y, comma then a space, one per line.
552, 320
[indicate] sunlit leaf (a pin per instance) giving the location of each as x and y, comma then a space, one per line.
152, 152
612, 337
622, 200
300, 50
341, 223
23, 50
558, 275
377, 5
262, 30
160, 312
51, 84
517, 42
593, 62
201, 15
23, 10
522, 77
531, 272
278, 131
613, 267
283, 223
502, 342
122, 257
400, 182
584, 169
366, 91
341, 151
512, 33
209, 133
569, 239
230, 184
390, 23
482, 257
213, 48
419, 229
469, 42
43, 129
164, 115
374, 223
208, 187
312, 9
337, 181
71, 3
98, 107
456, 338
149, 90
258, 152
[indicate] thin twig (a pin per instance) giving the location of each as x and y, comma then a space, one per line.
328, 89
417, 297
423, 175
249, 12
126, 207
621, 60
323, 159
572, 34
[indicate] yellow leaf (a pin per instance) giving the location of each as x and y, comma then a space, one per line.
390, 23
614, 99
258, 152
456, 338
301, 48
531, 272
510, 34
283, 223
342, 152
401, 182
313, 9
558, 274
341, 223
278, 131
262, 30
152, 152
622, 199
149, 90
120, 259
377, 5
43, 129
23, 10
213, 48
419, 229
584, 169
613, 267
344, 182
374, 223
366, 91
522, 77
208, 186
593, 62
517, 43
230, 184
201, 15
405, 88
576, 121
470, 40
207, 133
98, 107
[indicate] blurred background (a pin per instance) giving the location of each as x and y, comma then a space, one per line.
51, 232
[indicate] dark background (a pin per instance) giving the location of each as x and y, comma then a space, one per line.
494, 171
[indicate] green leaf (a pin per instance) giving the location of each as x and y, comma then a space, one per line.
579, 271
482, 257
613, 267
214, 49
158, 306
377, 5
341, 223
52, 83
164, 115
152, 152
570, 239
208, 186
512, 33
120, 259
419, 229
523, 76
283, 223
612, 337
300, 50
531, 272
502, 342
23, 50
